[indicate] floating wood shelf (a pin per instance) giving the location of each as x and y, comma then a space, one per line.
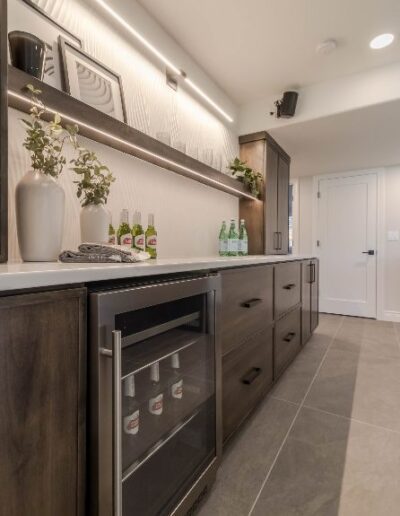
104, 129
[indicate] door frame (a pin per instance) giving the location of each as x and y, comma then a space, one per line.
380, 228
294, 182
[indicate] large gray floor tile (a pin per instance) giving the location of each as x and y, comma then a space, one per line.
297, 378
248, 459
331, 466
366, 336
363, 386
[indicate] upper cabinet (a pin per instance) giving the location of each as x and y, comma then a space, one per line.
268, 220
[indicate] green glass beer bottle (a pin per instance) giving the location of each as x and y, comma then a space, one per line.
138, 240
112, 238
243, 249
151, 237
124, 231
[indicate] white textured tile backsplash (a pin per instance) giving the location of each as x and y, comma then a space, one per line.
188, 214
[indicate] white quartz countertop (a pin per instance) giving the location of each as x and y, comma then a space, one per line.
15, 276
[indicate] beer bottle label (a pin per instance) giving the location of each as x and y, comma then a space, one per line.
131, 423
152, 241
139, 242
126, 240
177, 390
156, 405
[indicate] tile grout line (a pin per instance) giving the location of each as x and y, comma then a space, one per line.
378, 427
295, 417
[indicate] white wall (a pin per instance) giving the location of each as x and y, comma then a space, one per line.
188, 214
356, 91
391, 221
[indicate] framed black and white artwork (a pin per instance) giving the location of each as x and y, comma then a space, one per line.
91, 82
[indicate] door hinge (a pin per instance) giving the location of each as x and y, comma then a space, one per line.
318, 243
319, 195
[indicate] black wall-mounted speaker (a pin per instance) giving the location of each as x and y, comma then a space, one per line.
287, 106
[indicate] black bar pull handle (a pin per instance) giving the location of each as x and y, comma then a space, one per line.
313, 273
276, 240
252, 302
290, 336
249, 377
289, 286
370, 252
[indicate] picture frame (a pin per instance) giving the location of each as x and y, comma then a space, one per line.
27, 16
90, 81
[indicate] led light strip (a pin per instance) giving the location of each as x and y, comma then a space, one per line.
110, 136
162, 58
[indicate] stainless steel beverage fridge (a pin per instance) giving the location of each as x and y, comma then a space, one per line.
155, 418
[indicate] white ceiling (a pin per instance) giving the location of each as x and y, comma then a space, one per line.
257, 48
359, 139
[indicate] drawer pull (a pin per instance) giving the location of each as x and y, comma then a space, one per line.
249, 377
290, 336
252, 302
289, 286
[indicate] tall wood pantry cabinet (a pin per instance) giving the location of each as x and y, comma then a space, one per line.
43, 403
267, 220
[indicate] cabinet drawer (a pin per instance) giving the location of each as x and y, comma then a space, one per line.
287, 287
247, 304
247, 372
287, 341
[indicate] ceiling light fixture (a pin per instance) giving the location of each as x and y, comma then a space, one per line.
381, 41
110, 136
162, 58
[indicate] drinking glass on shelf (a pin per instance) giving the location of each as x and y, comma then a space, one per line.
164, 137
180, 146
208, 156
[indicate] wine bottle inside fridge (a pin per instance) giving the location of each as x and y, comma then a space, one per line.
156, 400
177, 380
130, 410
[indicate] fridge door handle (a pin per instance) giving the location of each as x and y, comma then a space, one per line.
117, 415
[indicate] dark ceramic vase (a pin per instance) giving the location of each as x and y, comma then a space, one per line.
27, 53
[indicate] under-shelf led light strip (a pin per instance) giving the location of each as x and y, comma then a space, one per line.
112, 137
162, 58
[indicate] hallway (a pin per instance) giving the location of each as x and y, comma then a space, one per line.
326, 442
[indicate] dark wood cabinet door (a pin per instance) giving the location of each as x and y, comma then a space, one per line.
314, 294
42, 403
283, 206
271, 202
287, 287
247, 303
247, 374
287, 341
306, 276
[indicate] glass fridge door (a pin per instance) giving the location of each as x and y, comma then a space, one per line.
168, 415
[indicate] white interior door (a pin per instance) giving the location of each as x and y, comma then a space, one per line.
347, 227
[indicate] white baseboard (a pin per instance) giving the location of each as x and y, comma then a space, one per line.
389, 315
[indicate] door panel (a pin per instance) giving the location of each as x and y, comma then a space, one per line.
347, 229
283, 206
271, 202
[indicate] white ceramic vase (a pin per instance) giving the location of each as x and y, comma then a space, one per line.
40, 202
95, 221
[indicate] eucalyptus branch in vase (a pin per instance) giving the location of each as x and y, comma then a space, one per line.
40, 199
93, 189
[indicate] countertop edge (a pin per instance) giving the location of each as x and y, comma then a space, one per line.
18, 276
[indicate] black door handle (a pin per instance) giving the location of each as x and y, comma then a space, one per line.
290, 336
289, 286
249, 377
370, 252
276, 240
252, 302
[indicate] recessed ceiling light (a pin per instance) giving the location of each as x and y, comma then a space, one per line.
381, 41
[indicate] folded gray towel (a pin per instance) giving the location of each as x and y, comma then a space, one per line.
99, 253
